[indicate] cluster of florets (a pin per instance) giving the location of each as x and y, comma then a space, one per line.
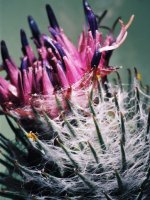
60, 68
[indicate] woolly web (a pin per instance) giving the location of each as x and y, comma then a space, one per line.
127, 149
122, 147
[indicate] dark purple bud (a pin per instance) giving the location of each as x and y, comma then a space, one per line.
108, 56
90, 17
4, 51
62, 54
26, 49
24, 64
34, 29
48, 43
53, 32
9, 65
51, 16
24, 40
96, 59
50, 73
60, 49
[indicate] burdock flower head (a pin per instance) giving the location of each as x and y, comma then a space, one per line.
61, 70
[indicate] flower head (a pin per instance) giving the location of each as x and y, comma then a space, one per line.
60, 69
78, 136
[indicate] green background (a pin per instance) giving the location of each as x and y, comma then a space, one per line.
135, 52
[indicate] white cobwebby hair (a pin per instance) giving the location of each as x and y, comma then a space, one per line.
122, 121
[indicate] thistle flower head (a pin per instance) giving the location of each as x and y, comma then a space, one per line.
61, 69
79, 136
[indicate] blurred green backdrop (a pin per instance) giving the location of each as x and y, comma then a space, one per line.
134, 52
